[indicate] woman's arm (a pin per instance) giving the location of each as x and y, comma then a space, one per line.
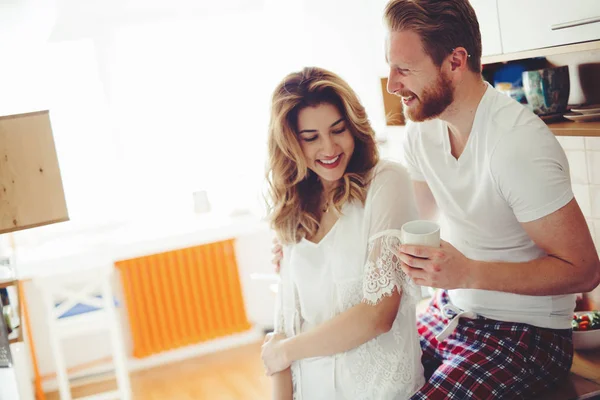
281, 385
344, 332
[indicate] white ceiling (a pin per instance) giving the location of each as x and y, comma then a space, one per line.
25, 23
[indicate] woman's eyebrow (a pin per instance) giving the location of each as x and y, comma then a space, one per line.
336, 122
314, 130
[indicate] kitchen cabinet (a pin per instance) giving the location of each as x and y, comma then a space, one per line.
535, 24
489, 25
528, 29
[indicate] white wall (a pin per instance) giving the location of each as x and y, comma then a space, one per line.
126, 97
201, 106
148, 102
584, 153
584, 161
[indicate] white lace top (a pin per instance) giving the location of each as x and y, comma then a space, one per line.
354, 264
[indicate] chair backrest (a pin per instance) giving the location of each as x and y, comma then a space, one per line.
77, 293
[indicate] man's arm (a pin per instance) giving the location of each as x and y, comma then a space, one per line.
426, 204
571, 266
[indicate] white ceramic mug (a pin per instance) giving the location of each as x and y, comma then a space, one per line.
418, 232
421, 232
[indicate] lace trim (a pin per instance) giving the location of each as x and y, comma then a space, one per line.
295, 380
279, 322
349, 293
384, 367
383, 273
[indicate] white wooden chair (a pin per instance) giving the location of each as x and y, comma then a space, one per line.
65, 296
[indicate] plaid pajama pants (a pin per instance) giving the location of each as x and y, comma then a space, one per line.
488, 359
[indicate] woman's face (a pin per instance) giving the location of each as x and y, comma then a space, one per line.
326, 141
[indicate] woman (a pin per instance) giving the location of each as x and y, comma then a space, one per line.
345, 322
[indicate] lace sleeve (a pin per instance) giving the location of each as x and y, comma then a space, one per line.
279, 320
383, 272
287, 318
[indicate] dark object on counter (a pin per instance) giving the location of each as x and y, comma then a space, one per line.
547, 90
508, 79
5, 356
4, 297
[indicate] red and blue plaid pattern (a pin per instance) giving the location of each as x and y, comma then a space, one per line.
489, 359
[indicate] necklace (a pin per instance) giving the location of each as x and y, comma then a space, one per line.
325, 208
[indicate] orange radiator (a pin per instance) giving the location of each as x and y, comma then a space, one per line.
183, 297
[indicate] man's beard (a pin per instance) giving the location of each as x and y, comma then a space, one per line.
433, 101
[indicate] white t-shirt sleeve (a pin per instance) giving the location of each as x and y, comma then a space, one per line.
532, 173
390, 204
410, 158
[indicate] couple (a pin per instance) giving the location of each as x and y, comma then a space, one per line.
517, 244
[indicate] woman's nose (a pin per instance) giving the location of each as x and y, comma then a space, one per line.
329, 145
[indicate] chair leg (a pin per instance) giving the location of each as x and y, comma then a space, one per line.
62, 377
118, 351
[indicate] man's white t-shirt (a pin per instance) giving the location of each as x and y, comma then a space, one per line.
512, 170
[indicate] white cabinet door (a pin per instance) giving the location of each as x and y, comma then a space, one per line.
534, 24
487, 15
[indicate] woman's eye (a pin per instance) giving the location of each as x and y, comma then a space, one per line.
338, 131
310, 139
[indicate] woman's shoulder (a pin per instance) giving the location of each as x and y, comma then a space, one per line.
388, 172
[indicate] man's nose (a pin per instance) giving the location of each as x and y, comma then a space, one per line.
394, 83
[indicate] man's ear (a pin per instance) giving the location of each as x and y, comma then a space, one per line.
458, 59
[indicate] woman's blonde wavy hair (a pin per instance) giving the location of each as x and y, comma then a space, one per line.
294, 190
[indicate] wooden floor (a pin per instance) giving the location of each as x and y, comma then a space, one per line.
235, 374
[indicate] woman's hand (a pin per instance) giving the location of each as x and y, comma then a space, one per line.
277, 254
273, 353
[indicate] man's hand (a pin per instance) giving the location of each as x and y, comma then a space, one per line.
273, 354
277, 251
440, 267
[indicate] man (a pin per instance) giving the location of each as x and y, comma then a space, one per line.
518, 246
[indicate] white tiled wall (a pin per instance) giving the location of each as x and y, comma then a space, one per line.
584, 161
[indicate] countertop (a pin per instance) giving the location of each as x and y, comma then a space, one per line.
584, 381
131, 240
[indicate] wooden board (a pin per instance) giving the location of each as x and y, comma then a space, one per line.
31, 189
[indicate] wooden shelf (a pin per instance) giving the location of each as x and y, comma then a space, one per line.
7, 283
575, 128
545, 52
